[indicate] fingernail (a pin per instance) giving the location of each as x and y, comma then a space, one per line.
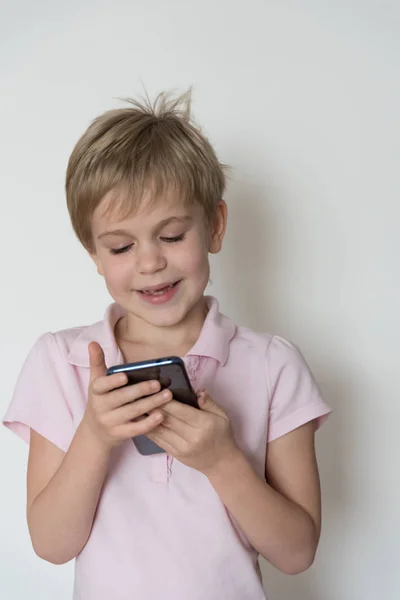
166, 394
154, 385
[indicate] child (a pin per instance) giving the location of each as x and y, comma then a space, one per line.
238, 477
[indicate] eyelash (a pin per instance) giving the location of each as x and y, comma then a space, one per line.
115, 251
168, 240
172, 240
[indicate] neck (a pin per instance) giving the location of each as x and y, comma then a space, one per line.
176, 339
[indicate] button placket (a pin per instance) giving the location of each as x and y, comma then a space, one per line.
160, 469
192, 366
164, 472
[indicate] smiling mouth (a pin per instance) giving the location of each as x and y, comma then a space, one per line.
158, 291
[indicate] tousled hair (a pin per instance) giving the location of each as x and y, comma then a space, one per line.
143, 146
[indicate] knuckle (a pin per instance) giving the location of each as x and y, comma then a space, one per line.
147, 426
126, 394
93, 387
102, 420
157, 399
134, 412
112, 382
185, 448
197, 438
144, 388
113, 435
142, 426
149, 402
98, 385
139, 428
132, 392
93, 405
209, 428
105, 420
117, 398
166, 396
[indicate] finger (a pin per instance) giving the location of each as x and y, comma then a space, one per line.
162, 444
125, 394
96, 361
183, 429
107, 383
133, 410
167, 439
137, 391
142, 427
186, 413
207, 404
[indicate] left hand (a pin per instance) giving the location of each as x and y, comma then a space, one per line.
201, 439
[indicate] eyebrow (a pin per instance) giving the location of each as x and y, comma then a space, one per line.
160, 225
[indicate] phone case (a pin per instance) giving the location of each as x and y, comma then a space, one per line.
171, 373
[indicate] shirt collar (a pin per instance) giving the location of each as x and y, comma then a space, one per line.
213, 341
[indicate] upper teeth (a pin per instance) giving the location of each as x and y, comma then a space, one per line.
159, 292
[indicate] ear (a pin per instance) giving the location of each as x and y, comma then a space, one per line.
97, 262
218, 227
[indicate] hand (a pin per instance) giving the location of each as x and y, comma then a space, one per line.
201, 439
115, 415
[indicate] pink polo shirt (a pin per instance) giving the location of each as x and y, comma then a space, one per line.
161, 532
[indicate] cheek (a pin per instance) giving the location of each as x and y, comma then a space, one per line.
194, 259
117, 273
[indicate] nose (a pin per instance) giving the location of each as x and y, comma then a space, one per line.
150, 259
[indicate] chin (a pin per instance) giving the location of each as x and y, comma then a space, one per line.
163, 322
166, 317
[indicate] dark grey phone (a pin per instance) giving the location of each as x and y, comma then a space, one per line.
172, 375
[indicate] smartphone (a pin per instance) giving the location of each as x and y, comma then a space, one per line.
171, 373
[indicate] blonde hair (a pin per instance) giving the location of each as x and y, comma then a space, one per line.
145, 145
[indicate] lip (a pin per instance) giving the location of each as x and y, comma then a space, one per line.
155, 288
163, 297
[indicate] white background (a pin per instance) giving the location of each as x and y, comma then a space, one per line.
302, 99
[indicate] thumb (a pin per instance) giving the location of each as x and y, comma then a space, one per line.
207, 404
96, 361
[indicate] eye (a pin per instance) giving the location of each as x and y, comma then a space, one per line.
121, 250
171, 240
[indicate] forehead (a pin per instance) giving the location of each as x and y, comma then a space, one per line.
118, 207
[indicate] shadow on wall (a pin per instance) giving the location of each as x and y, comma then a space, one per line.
252, 243
244, 254
331, 452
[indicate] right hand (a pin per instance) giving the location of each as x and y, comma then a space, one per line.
115, 415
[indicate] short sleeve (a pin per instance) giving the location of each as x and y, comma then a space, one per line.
39, 400
295, 398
